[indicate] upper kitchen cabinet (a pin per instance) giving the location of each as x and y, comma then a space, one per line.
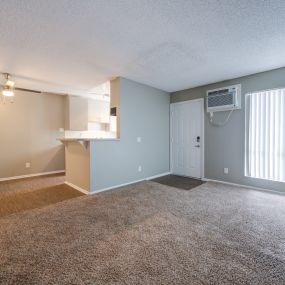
80, 112
98, 111
76, 113
92, 113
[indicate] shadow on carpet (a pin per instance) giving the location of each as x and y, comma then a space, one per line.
18, 201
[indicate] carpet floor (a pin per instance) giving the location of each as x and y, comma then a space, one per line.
26, 194
181, 182
32, 183
148, 233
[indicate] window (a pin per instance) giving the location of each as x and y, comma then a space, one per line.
265, 135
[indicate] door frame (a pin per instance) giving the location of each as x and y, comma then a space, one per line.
203, 134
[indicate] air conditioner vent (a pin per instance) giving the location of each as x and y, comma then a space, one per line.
223, 99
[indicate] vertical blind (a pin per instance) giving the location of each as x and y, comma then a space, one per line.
266, 135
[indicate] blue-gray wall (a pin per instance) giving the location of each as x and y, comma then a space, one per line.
144, 113
225, 146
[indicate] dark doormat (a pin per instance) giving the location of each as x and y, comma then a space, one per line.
181, 182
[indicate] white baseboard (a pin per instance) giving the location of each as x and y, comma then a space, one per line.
31, 175
129, 183
243, 186
77, 188
157, 176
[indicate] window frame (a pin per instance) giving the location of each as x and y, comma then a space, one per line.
246, 130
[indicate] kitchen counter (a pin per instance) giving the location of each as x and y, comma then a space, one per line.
87, 139
77, 161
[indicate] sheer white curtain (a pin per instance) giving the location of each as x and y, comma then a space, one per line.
265, 155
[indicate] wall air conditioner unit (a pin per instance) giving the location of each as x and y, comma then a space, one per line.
224, 99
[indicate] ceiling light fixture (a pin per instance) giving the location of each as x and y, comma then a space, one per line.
8, 87
7, 92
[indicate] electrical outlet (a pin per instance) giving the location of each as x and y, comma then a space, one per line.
140, 168
226, 171
28, 164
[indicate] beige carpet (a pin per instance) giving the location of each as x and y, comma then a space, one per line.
25, 194
32, 183
149, 233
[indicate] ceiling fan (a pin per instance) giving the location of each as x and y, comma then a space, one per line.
8, 88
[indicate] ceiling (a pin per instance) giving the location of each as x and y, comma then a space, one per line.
71, 46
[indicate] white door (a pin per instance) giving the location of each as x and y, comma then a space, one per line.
187, 125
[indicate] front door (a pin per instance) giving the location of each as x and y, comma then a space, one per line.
187, 120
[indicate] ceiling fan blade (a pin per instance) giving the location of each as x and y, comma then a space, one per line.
27, 90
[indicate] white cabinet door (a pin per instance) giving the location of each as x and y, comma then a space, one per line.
187, 119
98, 111
78, 113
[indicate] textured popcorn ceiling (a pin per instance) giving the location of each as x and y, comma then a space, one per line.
72, 46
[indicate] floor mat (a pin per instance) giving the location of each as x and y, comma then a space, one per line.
180, 182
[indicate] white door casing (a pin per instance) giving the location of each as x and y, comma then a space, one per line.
187, 150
